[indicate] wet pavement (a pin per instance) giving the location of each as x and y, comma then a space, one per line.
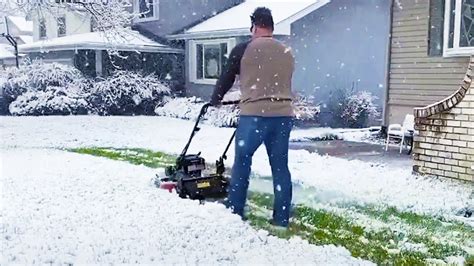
357, 151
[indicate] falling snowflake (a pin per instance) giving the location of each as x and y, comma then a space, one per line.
241, 143
278, 187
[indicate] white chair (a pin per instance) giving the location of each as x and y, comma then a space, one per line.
398, 131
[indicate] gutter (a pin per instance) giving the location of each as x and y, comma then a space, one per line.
92, 46
387, 70
209, 34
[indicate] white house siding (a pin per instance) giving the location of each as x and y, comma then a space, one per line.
415, 78
75, 23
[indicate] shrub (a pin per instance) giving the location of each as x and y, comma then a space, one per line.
189, 108
352, 110
127, 93
51, 101
305, 109
37, 76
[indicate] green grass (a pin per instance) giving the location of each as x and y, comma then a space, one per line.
152, 159
382, 246
339, 225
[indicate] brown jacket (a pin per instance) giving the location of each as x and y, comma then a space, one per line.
265, 67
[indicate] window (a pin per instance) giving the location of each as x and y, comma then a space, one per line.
459, 27
208, 59
42, 28
147, 9
61, 26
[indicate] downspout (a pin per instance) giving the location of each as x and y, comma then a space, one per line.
387, 67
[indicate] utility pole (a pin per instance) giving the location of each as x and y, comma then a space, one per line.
11, 40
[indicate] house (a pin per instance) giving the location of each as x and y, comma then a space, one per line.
70, 37
22, 32
430, 76
431, 42
335, 43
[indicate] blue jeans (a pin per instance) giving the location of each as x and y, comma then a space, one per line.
274, 132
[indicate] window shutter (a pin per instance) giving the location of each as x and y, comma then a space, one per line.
435, 40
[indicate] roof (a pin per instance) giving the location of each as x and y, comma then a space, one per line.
26, 38
23, 25
235, 21
127, 40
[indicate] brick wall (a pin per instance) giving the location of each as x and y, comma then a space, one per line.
444, 145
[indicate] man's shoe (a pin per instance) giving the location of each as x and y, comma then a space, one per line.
277, 226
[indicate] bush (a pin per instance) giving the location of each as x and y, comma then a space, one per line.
36, 76
305, 110
127, 93
189, 108
226, 115
52, 101
55, 89
352, 110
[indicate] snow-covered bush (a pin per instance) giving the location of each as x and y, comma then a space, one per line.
51, 101
189, 108
360, 108
305, 109
37, 76
353, 110
127, 93
226, 115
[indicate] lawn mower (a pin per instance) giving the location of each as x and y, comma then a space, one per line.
187, 176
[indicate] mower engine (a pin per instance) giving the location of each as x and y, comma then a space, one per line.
187, 177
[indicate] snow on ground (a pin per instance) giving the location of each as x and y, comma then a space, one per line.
334, 179
63, 208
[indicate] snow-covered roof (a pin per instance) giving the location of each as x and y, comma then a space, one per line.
26, 38
236, 20
23, 25
126, 40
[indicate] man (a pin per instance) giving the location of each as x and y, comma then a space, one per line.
265, 68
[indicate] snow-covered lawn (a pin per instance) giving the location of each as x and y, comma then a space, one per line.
64, 207
60, 207
334, 179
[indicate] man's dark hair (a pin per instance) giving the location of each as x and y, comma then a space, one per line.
262, 17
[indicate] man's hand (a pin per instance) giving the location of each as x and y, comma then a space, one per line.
216, 103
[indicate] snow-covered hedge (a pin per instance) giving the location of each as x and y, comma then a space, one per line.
52, 101
37, 76
226, 115
38, 88
127, 93
352, 109
189, 108
359, 109
305, 109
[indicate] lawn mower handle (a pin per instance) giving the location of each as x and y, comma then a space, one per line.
196, 128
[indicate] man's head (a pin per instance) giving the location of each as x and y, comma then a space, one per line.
262, 22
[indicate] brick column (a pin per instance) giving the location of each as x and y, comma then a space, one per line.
444, 146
